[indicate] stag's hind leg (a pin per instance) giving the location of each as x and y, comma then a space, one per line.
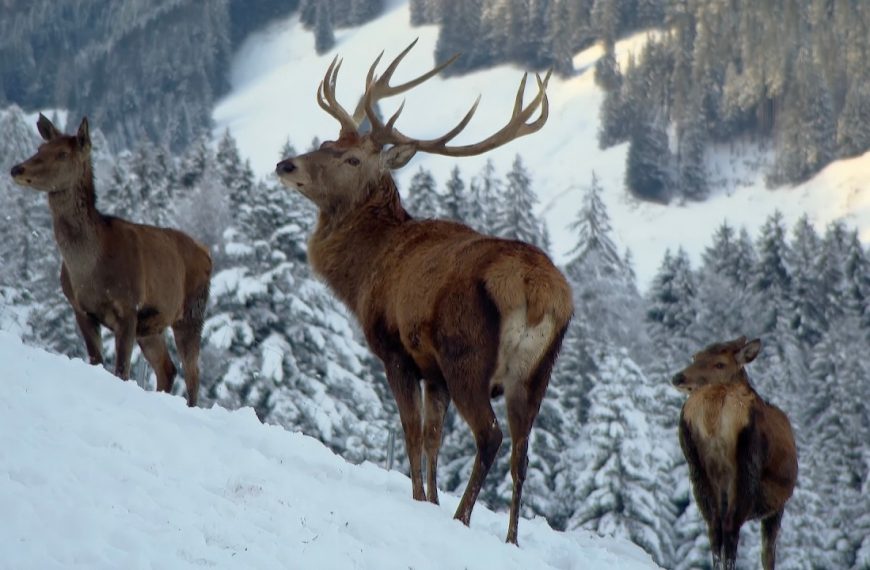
436, 402
188, 339
769, 531
157, 355
523, 400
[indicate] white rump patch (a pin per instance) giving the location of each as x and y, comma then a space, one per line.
521, 348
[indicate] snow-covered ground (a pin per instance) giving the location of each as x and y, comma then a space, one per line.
96, 473
276, 72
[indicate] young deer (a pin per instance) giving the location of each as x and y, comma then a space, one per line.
740, 449
132, 278
472, 316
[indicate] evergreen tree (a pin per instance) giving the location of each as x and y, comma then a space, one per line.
422, 199
615, 481
604, 289
514, 217
648, 164
853, 137
324, 38
483, 196
455, 202
808, 320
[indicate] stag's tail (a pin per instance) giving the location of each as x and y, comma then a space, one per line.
535, 303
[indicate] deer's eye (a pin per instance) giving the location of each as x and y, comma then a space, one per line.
63, 155
353, 161
720, 365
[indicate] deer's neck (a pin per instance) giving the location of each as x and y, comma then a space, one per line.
77, 223
347, 248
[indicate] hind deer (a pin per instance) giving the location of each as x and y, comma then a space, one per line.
137, 280
471, 316
740, 449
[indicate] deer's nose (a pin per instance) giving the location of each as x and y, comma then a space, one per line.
678, 379
17, 170
285, 167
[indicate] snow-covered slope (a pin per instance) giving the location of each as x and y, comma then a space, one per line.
275, 75
96, 473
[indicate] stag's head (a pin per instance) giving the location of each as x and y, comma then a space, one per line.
60, 161
720, 363
343, 172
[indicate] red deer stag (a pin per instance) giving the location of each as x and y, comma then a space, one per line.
740, 449
472, 316
132, 278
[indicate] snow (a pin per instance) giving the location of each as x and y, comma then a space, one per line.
276, 72
97, 473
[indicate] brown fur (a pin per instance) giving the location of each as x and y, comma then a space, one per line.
135, 279
470, 315
740, 449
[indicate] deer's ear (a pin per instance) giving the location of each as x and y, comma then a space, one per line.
83, 136
748, 353
46, 128
397, 156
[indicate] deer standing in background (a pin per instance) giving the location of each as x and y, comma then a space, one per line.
472, 316
740, 449
132, 278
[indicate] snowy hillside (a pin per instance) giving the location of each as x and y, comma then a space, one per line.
275, 75
96, 473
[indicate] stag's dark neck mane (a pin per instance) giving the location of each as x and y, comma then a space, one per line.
347, 245
76, 221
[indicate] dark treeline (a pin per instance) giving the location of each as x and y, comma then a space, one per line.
143, 69
789, 76
604, 454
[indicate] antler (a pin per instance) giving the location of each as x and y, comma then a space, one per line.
386, 133
327, 101
516, 127
376, 88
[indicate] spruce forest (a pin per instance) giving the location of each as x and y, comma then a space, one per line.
793, 78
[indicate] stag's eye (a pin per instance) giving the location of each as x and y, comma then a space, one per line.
353, 161
63, 155
720, 365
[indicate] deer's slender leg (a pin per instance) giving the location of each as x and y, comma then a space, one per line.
405, 385
437, 400
90, 329
125, 336
154, 349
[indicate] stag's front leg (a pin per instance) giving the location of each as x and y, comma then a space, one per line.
125, 336
90, 329
405, 385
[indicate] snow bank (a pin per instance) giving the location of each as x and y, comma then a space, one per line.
96, 473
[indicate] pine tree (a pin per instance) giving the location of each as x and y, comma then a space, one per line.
648, 164
422, 199
615, 478
808, 319
853, 138
455, 201
604, 289
324, 38
483, 196
514, 217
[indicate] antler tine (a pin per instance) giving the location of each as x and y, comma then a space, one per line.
328, 102
516, 127
380, 87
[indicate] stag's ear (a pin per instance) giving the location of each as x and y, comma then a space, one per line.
83, 136
46, 128
748, 353
397, 156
